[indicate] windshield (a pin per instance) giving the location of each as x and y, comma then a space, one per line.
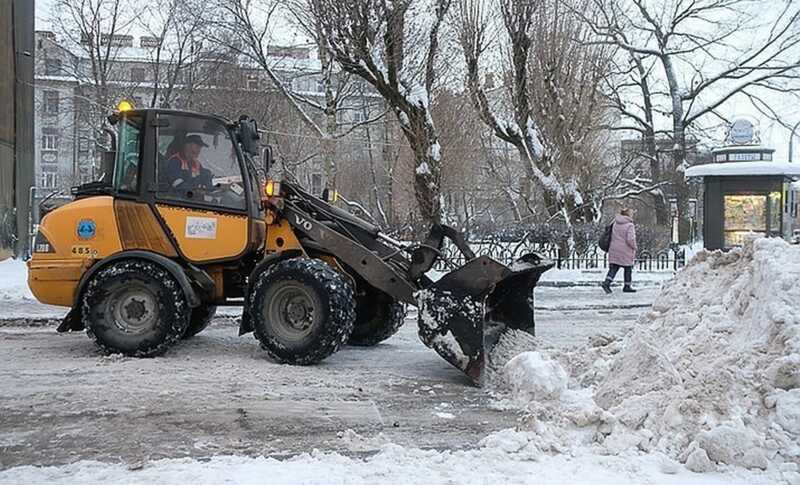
198, 162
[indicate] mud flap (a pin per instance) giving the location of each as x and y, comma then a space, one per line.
71, 322
463, 315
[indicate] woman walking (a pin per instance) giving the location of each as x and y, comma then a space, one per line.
622, 250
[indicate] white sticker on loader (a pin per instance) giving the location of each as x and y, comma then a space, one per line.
201, 228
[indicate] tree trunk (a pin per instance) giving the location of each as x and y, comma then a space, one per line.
427, 187
329, 141
387, 155
417, 125
661, 209
679, 185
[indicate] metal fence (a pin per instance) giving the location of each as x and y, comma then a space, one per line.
595, 258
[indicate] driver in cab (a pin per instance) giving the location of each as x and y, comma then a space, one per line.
184, 172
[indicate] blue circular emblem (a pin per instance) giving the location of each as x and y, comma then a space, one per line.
86, 229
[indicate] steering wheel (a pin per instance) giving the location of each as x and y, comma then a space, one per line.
217, 190
225, 194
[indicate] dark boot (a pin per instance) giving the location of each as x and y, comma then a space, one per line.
628, 289
606, 285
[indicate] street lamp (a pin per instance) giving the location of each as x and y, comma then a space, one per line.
692, 219
791, 138
673, 212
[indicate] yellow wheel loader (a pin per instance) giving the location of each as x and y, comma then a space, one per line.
183, 222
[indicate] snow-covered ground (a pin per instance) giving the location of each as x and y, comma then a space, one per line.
14, 281
503, 459
215, 409
593, 277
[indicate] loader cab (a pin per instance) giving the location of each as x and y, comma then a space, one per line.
197, 177
183, 158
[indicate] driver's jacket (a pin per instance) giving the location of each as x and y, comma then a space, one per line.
183, 175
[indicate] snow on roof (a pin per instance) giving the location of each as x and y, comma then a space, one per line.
728, 169
148, 54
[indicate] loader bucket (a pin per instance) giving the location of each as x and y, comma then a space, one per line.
464, 314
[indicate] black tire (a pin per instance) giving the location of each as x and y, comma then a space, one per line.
199, 319
135, 308
302, 310
378, 317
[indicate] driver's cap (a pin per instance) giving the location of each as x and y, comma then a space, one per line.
194, 139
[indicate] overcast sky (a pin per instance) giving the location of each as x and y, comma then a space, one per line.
772, 134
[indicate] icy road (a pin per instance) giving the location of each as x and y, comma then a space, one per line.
63, 401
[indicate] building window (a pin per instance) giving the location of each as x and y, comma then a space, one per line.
751, 213
52, 67
252, 83
138, 75
359, 117
48, 180
51, 102
182, 78
321, 86
84, 141
316, 183
49, 141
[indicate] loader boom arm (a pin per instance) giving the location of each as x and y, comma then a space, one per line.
367, 263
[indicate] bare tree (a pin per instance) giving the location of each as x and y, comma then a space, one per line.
97, 28
553, 110
629, 94
94, 33
393, 46
176, 34
708, 53
244, 26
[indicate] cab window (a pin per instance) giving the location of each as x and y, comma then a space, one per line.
198, 163
126, 166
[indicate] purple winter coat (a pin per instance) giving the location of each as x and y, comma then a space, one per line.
623, 242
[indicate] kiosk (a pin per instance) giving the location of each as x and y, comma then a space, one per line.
745, 191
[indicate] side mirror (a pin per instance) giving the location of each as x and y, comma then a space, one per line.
247, 132
266, 158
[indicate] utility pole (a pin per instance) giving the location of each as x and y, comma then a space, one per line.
16, 130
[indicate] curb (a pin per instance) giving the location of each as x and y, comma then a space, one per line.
596, 283
620, 306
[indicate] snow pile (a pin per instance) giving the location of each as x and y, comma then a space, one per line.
711, 376
14, 280
535, 378
714, 370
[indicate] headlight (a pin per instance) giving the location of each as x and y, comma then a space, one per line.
272, 188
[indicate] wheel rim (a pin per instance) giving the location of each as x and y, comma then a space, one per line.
133, 309
291, 311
